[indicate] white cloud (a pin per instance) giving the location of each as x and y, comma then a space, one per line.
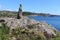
10, 10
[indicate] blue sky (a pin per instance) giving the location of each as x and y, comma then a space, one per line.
39, 6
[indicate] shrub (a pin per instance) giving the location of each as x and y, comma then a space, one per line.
30, 26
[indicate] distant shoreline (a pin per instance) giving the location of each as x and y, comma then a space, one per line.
14, 14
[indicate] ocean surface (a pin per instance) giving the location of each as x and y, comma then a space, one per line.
54, 21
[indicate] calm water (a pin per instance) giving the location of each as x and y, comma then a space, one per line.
54, 21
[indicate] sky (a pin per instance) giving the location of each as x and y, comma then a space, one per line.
38, 6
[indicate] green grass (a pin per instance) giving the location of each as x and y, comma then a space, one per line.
4, 32
57, 37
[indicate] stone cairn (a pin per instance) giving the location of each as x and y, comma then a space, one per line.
19, 15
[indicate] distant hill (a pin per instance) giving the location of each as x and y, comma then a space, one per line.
14, 14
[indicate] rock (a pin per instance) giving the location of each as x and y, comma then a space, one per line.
23, 22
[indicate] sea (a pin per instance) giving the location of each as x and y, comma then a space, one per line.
54, 21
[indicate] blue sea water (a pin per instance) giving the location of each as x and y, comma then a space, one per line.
54, 21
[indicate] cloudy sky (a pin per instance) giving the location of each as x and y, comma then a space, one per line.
39, 6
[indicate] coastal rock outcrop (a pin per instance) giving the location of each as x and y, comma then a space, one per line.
25, 21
